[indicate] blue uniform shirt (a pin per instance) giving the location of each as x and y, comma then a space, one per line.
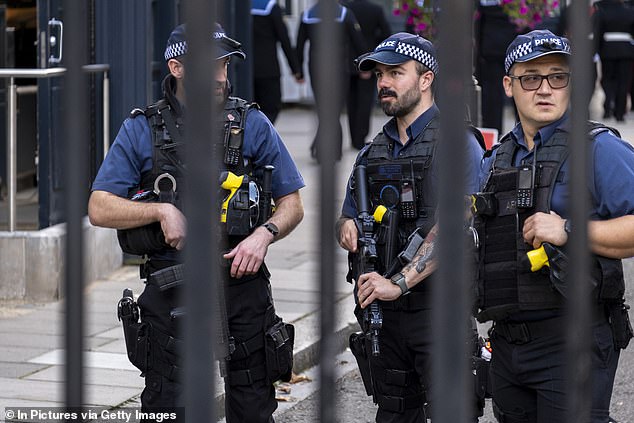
610, 181
474, 155
131, 156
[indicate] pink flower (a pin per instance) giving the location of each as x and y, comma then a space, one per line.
410, 20
506, 1
537, 18
421, 27
555, 4
523, 10
405, 6
396, 12
415, 11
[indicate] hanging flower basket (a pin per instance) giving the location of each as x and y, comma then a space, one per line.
528, 13
419, 17
523, 14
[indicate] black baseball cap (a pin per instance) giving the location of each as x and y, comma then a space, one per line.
225, 46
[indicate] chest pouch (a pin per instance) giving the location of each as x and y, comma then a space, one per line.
147, 239
240, 207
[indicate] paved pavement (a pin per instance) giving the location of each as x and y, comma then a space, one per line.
31, 355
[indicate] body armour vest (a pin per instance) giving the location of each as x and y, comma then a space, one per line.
505, 283
165, 181
167, 140
404, 183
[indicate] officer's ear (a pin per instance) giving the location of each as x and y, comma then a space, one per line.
507, 82
177, 69
426, 80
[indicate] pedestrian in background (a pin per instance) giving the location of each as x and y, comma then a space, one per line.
362, 87
493, 32
613, 28
524, 205
269, 30
351, 41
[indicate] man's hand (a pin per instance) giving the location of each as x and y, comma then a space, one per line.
543, 227
248, 255
373, 286
173, 225
348, 236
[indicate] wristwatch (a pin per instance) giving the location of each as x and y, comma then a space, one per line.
272, 228
567, 226
399, 279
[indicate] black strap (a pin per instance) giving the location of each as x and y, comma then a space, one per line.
166, 342
248, 347
246, 377
395, 377
170, 123
400, 404
523, 332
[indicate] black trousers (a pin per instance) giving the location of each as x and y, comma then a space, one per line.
267, 92
339, 103
361, 99
528, 380
615, 81
405, 343
249, 300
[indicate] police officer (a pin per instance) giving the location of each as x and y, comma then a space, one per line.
493, 31
147, 145
361, 94
402, 176
524, 206
352, 40
613, 32
269, 29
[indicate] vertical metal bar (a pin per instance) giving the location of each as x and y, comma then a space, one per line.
579, 304
329, 87
106, 113
12, 147
201, 205
75, 156
450, 369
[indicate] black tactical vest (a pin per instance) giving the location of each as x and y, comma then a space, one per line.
404, 183
168, 141
505, 284
165, 181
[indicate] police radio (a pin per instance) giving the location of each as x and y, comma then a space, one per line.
525, 186
408, 195
408, 202
233, 145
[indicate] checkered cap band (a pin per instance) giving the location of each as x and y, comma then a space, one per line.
533, 45
175, 50
418, 54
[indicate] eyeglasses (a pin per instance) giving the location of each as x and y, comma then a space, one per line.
533, 82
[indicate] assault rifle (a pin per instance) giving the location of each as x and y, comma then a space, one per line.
365, 260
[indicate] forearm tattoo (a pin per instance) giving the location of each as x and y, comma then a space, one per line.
425, 253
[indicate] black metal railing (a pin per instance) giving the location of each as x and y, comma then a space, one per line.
451, 297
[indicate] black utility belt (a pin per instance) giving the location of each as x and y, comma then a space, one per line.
173, 276
524, 332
